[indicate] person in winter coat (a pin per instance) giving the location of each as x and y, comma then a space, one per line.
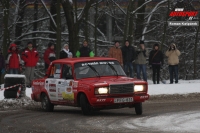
115, 52
141, 55
49, 55
128, 53
13, 61
173, 60
85, 51
156, 62
30, 57
2, 65
64, 53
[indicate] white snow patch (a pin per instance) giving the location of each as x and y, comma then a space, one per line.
170, 122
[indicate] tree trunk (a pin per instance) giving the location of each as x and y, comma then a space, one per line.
6, 34
95, 28
73, 27
130, 32
20, 18
195, 53
140, 20
53, 12
165, 26
58, 35
35, 24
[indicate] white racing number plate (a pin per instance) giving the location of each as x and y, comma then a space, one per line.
123, 100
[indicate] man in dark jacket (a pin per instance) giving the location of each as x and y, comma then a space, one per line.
13, 61
85, 51
2, 65
49, 55
30, 57
128, 53
156, 62
65, 52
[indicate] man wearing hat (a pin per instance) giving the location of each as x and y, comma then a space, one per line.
65, 52
156, 62
141, 55
49, 55
30, 57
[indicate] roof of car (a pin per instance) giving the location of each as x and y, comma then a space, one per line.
82, 59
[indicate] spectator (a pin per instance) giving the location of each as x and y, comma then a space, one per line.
128, 53
173, 60
64, 53
140, 61
156, 62
2, 65
30, 57
85, 51
115, 52
13, 61
49, 55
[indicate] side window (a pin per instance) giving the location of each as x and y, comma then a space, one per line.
55, 71
67, 72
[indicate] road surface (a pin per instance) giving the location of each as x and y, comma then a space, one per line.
169, 115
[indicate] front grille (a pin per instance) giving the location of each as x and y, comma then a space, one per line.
121, 88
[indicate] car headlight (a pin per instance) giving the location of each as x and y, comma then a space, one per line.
101, 90
138, 88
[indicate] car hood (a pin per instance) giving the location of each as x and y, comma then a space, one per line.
106, 81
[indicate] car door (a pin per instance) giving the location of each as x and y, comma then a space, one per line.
64, 87
51, 83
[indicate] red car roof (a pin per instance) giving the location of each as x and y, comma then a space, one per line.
82, 59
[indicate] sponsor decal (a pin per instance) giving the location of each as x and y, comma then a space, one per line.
52, 87
75, 84
52, 95
96, 63
101, 100
38, 83
144, 97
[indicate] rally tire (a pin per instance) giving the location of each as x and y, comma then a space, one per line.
10, 94
138, 108
46, 104
85, 105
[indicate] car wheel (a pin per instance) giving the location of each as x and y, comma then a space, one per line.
46, 104
85, 105
138, 108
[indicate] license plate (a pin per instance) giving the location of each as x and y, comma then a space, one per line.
123, 100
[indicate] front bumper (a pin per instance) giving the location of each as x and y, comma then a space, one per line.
109, 101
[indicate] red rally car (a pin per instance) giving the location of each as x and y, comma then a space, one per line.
90, 83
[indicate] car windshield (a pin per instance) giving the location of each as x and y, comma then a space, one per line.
97, 69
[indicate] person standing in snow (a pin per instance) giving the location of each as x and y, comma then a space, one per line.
173, 60
49, 55
2, 65
128, 53
85, 51
30, 57
65, 52
13, 61
156, 62
141, 55
115, 52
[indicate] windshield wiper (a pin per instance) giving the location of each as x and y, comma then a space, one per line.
94, 70
112, 67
